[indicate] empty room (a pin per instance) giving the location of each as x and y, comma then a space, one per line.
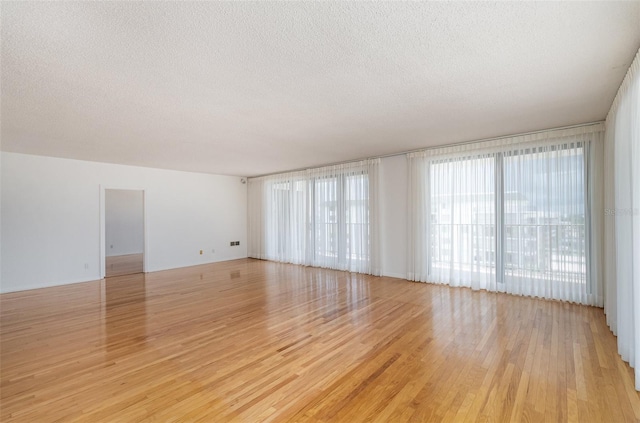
319, 211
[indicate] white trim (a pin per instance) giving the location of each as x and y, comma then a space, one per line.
44, 286
394, 275
102, 237
551, 137
571, 129
624, 86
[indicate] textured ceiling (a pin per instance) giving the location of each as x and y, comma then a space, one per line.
247, 88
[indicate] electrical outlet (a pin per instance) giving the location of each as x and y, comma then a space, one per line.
232, 243
200, 252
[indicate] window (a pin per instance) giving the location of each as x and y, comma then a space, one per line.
462, 196
512, 218
546, 216
320, 217
341, 220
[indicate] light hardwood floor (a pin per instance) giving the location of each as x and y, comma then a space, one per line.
253, 341
124, 265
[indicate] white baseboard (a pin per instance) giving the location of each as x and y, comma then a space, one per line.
394, 275
47, 285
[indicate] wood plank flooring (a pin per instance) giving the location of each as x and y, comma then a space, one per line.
253, 341
124, 265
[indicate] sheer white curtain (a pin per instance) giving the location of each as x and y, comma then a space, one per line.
622, 220
286, 233
324, 217
512, 214
277, 218
255, 218
548, 221
455, 220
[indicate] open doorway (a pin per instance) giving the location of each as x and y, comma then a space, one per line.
124, 232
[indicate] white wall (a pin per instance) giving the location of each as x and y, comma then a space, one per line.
1, 215
50, 226
124, 222
393, 216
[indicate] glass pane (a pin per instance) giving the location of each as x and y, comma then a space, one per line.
462, 198
357, 216
326, 217
544, 215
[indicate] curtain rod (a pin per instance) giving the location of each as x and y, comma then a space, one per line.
401, 153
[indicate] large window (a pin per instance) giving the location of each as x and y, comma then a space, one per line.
321, 217
341, 218
508, 218
463, 219
544, 218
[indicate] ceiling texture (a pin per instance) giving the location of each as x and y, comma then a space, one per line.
248, 88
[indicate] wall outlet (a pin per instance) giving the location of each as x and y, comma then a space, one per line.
232, 243
200, 252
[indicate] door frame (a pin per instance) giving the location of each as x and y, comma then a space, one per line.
103, 237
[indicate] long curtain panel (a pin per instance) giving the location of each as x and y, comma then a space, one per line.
457, 220
323, 217
547, 222
511, 215
622, 218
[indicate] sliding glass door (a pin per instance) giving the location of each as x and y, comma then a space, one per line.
463, 221
510, 221
544, 221
326, 221
323, 217
341, 231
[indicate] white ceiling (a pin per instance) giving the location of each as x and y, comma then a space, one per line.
246, 88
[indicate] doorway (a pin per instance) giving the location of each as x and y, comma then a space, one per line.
124, 232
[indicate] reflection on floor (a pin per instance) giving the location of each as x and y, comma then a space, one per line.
253, 341
124, 265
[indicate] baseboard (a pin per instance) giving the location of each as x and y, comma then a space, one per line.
49, 285
161, 269
394, 275
97, 278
